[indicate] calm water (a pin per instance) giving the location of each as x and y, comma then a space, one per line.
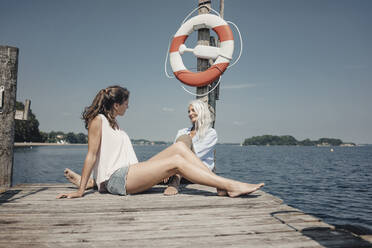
335, 186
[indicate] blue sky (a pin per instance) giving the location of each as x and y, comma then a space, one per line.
306, 67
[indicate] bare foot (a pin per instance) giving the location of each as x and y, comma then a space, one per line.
170, 190
173, 185
221, 192
75, 178
244, 189
72, 177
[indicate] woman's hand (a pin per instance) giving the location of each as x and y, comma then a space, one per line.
77, 194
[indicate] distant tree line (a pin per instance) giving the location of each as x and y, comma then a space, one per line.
61, 137
288, 140
28, 131
147, 142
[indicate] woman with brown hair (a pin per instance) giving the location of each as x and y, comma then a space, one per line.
115, 166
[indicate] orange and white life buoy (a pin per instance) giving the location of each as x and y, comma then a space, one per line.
222, 54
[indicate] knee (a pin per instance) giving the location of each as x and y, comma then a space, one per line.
178, 161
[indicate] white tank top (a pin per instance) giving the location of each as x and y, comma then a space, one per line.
116, 151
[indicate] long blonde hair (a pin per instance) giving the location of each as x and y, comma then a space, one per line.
103, 103
205, 119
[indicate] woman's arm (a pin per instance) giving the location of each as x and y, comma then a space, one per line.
94, 142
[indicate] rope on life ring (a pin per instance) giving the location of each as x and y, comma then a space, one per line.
222, 55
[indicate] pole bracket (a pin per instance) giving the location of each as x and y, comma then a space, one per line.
2, 90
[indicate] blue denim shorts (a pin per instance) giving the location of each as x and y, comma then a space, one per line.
116, 183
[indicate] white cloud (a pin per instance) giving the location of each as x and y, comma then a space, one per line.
166, 109
237, 86
239, 123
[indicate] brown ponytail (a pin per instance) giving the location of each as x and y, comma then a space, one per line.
103, 103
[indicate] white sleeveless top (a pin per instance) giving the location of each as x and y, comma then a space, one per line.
116, 151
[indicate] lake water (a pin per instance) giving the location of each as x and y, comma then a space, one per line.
335, 186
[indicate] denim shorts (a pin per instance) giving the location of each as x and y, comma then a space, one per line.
116, 183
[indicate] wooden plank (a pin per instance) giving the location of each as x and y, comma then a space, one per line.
274, 240
30, 216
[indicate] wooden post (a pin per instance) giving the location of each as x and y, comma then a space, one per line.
8, 88
204, 38
217, 90
222, 8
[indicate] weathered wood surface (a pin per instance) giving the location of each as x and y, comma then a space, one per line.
203, 39
8, 86
30, 216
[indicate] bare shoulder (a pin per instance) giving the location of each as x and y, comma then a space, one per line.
97, 121
94, 134
95, 124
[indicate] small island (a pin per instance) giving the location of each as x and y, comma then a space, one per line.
287, 140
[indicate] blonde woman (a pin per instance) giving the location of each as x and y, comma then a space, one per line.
201, 138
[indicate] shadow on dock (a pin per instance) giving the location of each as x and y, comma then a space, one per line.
11, 195
326, 236
340, 236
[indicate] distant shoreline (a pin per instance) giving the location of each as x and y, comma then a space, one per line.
27, 144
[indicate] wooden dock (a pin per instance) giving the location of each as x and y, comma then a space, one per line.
30, 216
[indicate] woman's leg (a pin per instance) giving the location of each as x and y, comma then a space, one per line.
75, 178
144, 175
183, 151
166, 153
175, 181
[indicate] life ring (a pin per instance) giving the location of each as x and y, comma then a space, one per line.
222, 54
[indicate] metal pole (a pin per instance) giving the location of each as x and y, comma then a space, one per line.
8, 91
